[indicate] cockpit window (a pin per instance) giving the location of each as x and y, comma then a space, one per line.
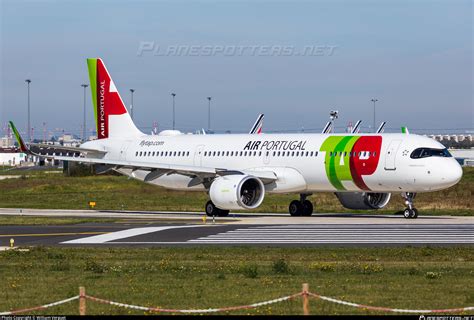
429, 152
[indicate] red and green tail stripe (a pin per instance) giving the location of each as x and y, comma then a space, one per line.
19, 139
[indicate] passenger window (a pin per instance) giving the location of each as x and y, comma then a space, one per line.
274, 153
136, 154
259, 153
311, 153
316, 154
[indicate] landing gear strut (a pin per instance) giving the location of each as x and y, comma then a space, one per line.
410, 212
302, 207
212, 210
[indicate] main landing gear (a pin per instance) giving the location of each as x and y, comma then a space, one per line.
410, 212
302, 207
212, 210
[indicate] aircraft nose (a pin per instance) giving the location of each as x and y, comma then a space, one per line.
453, 173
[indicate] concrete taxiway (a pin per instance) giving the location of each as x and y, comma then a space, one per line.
188, 228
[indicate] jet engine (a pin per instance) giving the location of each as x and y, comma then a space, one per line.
237, 192
363, 200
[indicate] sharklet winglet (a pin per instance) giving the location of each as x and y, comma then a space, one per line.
19, 139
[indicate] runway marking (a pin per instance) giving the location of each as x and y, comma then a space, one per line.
376, 241
49, 234
292, 234
122, 234
297, 234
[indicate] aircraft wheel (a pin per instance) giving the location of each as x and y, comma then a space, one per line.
307, 208
414, 213
407, 213
295, 208
211, 209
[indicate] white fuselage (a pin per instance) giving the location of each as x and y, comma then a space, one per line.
303, 163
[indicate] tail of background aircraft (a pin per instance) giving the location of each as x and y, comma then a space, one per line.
111, 115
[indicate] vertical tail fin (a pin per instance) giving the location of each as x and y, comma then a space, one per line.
258, 125
19, 139
111, 116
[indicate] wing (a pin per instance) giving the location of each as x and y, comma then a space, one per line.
41, 147
155, 169
37, 149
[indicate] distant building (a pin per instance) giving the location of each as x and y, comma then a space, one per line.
6, 142
11, 157
69, 140
464, 156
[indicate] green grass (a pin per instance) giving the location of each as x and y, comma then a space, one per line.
33, 220
43, 190
202, 277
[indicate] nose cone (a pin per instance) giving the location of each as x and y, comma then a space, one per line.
452, 173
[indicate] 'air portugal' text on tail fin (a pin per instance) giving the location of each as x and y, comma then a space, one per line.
111, 116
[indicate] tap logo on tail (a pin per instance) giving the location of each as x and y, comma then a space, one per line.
105, 96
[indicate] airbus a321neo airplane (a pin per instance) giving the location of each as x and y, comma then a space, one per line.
237, 170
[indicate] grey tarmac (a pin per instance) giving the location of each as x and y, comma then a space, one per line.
189, 229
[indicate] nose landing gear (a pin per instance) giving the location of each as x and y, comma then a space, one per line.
302, 207
410, 212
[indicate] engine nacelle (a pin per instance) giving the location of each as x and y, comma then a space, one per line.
363, 200
234, 192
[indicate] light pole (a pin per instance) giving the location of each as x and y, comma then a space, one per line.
374, 101
84, 114
28, 81
131, 105
209, 113
174, 95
